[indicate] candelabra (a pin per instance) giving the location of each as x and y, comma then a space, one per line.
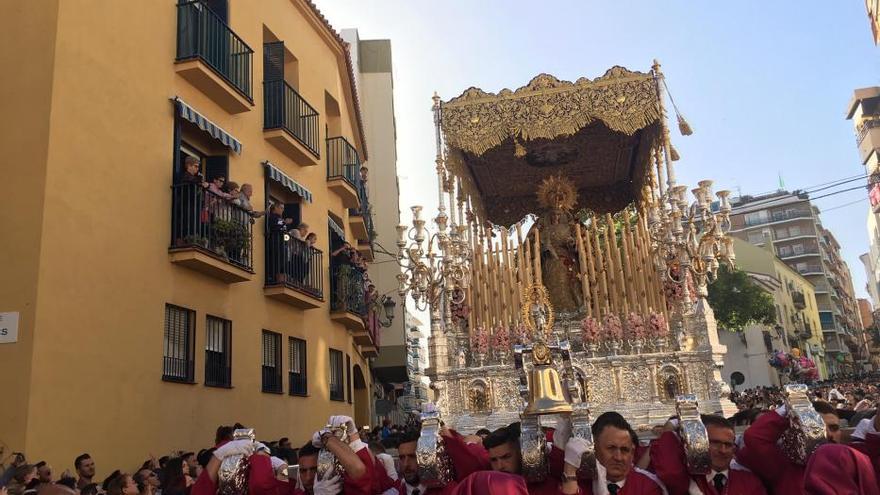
691, 239
435, 267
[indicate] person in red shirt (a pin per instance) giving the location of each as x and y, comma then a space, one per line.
765, 458
307, 472
838, 469
724, 478
466, 459
615, 447
505, 456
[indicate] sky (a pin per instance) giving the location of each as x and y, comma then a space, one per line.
763, 84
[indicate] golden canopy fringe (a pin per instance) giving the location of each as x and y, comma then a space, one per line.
623, 100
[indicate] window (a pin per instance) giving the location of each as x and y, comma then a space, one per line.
348, 376
271, 362
756, 237
299, 384
179, 344
218, 352
336, 376
794, 230
757, 217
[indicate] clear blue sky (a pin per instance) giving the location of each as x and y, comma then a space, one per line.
764, 84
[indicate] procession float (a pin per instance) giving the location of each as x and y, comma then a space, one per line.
566, 274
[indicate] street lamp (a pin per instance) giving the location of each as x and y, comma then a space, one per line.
387, 305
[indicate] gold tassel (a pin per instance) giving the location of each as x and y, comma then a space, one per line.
519, 150
673, 153
683, 126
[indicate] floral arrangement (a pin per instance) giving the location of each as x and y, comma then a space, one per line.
799, 368
501, 339
612, 329
634, 327
518, 334
657, 326
480, 341
591, 330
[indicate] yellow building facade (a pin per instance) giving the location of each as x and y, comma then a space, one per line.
150, 312
797, 313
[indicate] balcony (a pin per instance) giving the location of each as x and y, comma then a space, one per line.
778, 216
290, 123
209, 234
800, 302
348, 304
866, 126
213, 58
874, 196
810, 269
294, 271
361, 218
343, 171
789, 252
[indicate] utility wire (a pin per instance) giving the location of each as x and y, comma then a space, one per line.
838, 192
860, 177
843, 205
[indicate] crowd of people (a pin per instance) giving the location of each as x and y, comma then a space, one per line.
752, 461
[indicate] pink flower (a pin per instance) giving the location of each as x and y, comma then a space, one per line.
519, 334
479, 341
591, 330
634, 327
501, 339
612, 329
657, 326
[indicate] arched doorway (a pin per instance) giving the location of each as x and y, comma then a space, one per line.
361, 398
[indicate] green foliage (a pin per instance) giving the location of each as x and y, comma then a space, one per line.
233, 236
738, 302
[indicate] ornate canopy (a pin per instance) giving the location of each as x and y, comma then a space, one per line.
600, 133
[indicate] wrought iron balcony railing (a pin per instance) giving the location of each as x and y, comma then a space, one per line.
778, 216
203, 220
343, 161
295, 264
286, 109
202, 34
347, 291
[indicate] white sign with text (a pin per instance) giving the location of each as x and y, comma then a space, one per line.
8, 327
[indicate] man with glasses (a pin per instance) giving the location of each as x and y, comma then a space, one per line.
724, 478
764, 456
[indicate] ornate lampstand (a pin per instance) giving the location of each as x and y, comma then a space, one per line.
436, 266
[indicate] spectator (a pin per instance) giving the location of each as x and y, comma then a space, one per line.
191, 464
277, 227
147, 481
85, 468
300, 232
175, 480
386, 460
122, 484
44, 472
191, 174
312, 239
22, 477
217, 185
244, 200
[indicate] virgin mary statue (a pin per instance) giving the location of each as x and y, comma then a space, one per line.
557, 198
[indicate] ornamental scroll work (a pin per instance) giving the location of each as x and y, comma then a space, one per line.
623, 100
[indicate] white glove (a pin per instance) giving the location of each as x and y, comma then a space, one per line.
316, 438
562, 432
574, 451
358, 445
276, 463
675, 423
261, 447
340, 421
330, 486
429, 407
236, 447
864, 428
782, 411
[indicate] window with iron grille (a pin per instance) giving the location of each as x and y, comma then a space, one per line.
179, 344
271, 362
348, 376
218, 352
299, 384
337, 392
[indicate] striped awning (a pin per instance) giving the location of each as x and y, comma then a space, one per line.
187, 112
336, 228
293, 186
